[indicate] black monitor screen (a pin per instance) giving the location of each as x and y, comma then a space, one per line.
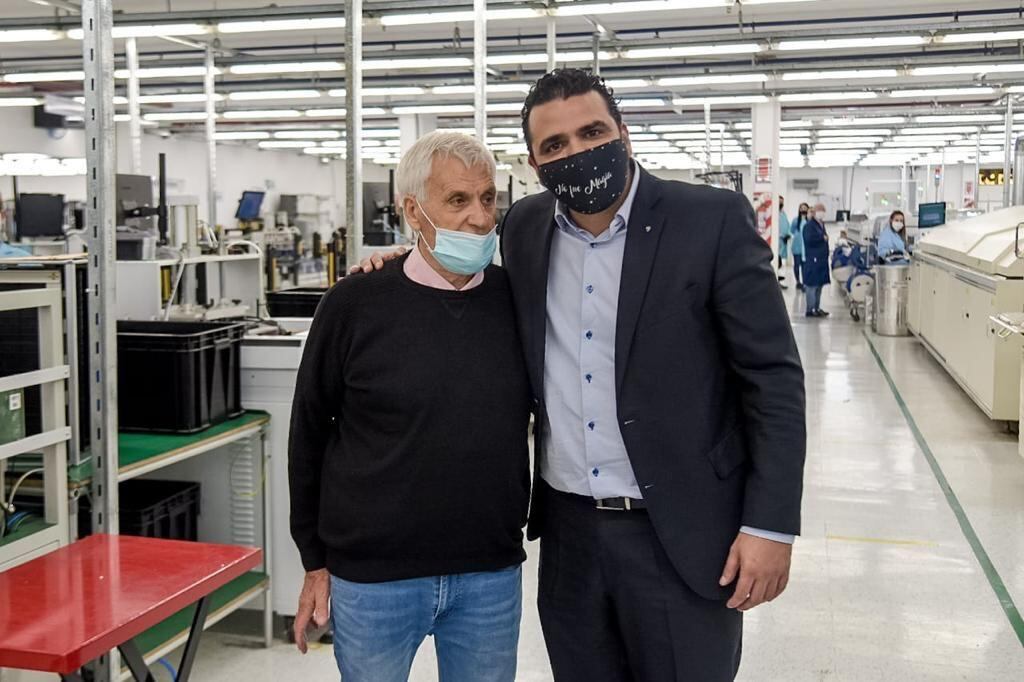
134, 191
249, 206
931, 215
40, 215
842, 216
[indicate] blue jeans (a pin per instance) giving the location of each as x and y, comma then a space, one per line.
473, 617
813, 298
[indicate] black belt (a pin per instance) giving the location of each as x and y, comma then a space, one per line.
605, 504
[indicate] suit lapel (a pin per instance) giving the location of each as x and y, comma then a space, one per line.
642, 237
542, 235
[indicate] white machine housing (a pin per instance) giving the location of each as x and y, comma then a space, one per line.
961, 276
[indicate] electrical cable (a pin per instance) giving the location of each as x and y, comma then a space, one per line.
14, 490
177, 283
170, 668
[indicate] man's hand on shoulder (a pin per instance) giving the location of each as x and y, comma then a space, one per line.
762, 567
377, 260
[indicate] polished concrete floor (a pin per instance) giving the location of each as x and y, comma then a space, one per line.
885, 585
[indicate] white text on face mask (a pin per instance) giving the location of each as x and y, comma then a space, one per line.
595, 184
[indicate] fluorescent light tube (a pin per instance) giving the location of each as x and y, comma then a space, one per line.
262, 113
949, 130
176, 116
840, 75
582, 9
340, 113
542, 58
499, 107
723, 79
29, 35
242, 135
638, 103
627, 83
850, 132
850, 43
286, 144
470, 89
967, 69
44, 76
855, 121
168, 72
179, 98
826, 96
149, 31
396, 91
418, 18
714, 101
944, 92
960, 118
20, 101
321, 150
248, 95
307, 134
280, 25
984, 37
429, 63
692, 51
435, 109
285, 67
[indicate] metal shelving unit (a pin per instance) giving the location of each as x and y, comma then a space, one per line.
53, 439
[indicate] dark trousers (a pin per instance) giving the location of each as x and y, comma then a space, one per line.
613, 609
798, 265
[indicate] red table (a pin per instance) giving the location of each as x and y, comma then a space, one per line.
69, 607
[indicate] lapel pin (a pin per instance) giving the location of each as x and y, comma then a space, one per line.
647, 229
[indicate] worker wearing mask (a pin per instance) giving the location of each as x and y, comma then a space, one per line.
785, 237
408, 456
797, 234
665, 379
892, 242
816, 262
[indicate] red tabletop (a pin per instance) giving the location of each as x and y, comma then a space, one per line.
68, 607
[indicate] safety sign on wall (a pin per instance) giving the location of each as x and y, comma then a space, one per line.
763, 169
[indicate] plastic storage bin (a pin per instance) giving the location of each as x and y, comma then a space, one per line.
152, 509
178, 377
300, 302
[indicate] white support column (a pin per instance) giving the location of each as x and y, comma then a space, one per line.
977, 165
480, 68
767, 122
135, 117
354, 129
707, 137
552, 34
1008, 159
211, 140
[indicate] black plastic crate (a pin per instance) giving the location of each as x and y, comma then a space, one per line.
152, 509
178, 377
300, 302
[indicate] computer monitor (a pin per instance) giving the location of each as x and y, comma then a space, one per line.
842, 216
931, 215
249, 205
134, 191
40, 215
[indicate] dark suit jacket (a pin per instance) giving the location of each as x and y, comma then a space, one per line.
710, 389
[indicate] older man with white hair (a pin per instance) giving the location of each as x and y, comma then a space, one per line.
408, 460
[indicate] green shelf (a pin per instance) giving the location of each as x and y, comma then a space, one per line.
180, 623
29, 527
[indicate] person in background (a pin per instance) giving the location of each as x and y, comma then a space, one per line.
408, 458
797, 244
892, 242
785, 237
815, 265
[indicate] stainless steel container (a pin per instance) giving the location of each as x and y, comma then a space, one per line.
892, 291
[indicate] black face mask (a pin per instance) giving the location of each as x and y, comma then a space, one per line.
591, 181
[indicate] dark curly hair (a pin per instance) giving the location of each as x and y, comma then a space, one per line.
563, 84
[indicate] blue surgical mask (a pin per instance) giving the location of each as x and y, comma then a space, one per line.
461, 252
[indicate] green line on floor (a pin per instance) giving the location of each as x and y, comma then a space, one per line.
996, 582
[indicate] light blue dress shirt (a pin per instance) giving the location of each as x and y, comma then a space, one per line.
584, 452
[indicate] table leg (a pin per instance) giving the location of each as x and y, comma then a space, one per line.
136, 663
192, 645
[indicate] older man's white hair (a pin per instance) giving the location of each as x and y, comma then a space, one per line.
414, 168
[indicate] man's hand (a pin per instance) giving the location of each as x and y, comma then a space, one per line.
312, 605
763, 570
377, 261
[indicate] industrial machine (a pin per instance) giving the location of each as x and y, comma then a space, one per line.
961, 276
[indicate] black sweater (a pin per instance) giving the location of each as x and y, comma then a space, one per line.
408, 448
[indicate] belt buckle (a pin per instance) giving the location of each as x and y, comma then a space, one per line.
627, 505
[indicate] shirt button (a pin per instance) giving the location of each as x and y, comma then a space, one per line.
589, 378
590, 335
591, 426
590, 288
596, 471
593, 246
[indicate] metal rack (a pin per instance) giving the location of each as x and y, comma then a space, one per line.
52, 441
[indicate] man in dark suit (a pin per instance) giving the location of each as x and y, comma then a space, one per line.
667, 383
